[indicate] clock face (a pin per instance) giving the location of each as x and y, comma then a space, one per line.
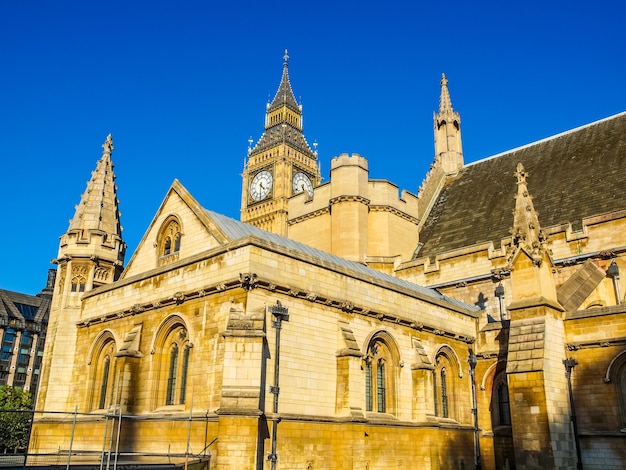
301, 182
261, 185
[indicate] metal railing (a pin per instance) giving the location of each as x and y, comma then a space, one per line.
105, 441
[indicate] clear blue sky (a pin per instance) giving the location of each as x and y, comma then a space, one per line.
182, 85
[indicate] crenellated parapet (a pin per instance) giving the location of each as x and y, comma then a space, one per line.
364, 220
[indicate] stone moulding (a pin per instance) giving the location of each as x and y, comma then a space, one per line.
596, 343
340, 304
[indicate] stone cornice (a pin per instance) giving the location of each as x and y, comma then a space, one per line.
596, 343
309, 215
349, 198
243, 282
394, 211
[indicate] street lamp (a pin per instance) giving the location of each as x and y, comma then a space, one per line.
280, 314
472, 360
499, 293
613, 273
569, 364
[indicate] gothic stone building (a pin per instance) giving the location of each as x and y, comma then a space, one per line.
345, 325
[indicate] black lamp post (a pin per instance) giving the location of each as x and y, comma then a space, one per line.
280, 314
499, 293
472, 360
569, 364
613, 273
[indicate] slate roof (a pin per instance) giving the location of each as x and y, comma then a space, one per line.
283, 131
23, 307
236, 230
572, 176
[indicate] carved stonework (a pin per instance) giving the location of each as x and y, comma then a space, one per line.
249, 281
80, 270
101, 274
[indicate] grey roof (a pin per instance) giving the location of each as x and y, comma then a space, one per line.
24, 307
235, 230
284, 94
572, 176
284, 131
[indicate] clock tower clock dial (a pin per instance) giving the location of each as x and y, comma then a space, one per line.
261, 185
301, 182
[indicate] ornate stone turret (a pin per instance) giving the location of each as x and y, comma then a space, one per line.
91, 253
536, 344
526, 232
447, 121
448, 150
528, 256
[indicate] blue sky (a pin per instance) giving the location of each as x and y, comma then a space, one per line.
183, 85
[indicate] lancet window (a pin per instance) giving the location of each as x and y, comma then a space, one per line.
444, 384
169, 240
172, 353
102, 375
380, 366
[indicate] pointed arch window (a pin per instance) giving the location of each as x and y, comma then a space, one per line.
504, 406
105, 382
173, 354
380, 377
444, 384
102, 375
171, 379
444, 392
169, 240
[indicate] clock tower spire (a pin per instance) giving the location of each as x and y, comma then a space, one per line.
280, 165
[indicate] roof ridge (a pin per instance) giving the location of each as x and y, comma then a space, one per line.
237, 229
547, 139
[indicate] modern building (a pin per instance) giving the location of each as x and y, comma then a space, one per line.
347, 325
23, 324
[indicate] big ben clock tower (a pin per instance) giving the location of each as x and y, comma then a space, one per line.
280, 165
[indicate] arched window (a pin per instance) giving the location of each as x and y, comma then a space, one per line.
380, 376
444, 393
102, 375
167, 249
171, 379
105, 382
78, 284
501, 406
169, 240
172, 353
444, 383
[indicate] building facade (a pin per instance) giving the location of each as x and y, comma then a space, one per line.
23, 324
346, 325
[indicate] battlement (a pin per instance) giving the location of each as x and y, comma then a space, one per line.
349, 160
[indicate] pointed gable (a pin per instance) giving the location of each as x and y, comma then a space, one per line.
197, 232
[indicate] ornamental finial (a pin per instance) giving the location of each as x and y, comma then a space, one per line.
286, 58
521, 173
108, 145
